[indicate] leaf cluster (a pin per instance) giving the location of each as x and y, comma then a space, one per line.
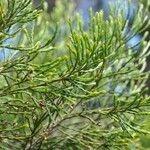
83, 90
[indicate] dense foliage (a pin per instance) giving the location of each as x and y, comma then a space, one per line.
66, 85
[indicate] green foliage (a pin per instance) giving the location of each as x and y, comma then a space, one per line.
83, 89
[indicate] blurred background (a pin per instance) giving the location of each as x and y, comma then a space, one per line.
83, 6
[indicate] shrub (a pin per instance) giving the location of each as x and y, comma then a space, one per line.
65, 86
